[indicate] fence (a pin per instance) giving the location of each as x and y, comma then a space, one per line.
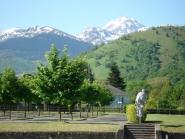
53, 108
21, 107
165, 111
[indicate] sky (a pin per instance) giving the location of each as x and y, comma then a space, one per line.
73, 16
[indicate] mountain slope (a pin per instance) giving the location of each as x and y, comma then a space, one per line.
24, 47
141, 55
111, 31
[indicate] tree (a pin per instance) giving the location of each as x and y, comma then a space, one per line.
164, 99
48, 78
133, 87
26, 90
95, 94
105, 97
31, 82
115, 77
59, 80
90, 75
75, 73
177, 96
89, 95
157, 86
9, 88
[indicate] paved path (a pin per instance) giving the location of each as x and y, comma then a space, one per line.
32, 118
106, 119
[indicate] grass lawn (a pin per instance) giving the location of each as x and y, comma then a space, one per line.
18, 123
171, 123
56, 126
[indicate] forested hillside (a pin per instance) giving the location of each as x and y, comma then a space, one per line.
153, 58
142, 55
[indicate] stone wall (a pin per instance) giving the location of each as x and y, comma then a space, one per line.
173, 135
83, 135
58, 135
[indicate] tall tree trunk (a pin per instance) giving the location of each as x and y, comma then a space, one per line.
45, 106
80, 107
4, 112
38, 110
4, 109
87, 109
64, 110
59, 110
92, 109
49, 109
28, 107
104, 110
71, 112
25, 109
97, 111
60, 115
10, 115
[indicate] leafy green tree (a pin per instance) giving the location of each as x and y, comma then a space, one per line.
75, 73
89, 94
26, 90
90, 75
59, 80
31, 83
48, 78
177, 96
95, 94
164, 99
115, 78
9, 88
133, 87
158, 86
105, 96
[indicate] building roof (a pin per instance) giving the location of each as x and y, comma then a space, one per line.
116, 91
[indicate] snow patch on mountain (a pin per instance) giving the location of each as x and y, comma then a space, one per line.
31, 32
111, 31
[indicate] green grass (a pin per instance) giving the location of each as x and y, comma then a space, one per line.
170, 123
22, 126
56, 126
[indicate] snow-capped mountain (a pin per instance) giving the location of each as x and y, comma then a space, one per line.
95, 35
21, 48
111, 31
31, 32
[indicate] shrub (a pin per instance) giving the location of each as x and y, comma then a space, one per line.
131, 113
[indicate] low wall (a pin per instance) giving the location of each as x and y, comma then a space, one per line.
83, 135
173, 135
58, 135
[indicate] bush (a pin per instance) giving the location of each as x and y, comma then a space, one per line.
131, 113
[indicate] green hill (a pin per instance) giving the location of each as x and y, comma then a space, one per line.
143, 55
22, 53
